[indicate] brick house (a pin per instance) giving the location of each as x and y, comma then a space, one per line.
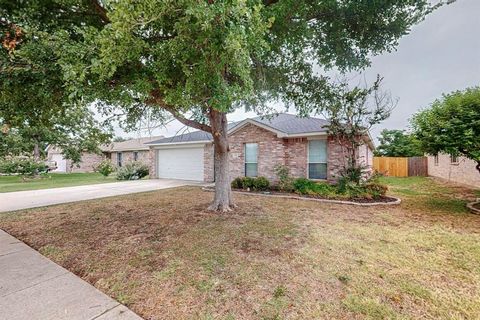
118, 152
456, 169
256, 146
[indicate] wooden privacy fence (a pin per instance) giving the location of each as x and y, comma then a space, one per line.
401, 166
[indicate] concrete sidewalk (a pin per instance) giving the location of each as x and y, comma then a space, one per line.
11, 201
33, 287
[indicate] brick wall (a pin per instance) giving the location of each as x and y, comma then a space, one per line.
152, 165
127, 156
336, 159
271, 151
88, 163
464, 172
208, 171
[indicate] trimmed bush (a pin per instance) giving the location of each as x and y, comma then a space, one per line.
260, 183
105, 168
237, 183
132, 171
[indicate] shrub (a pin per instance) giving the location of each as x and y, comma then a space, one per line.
285, 180
352, 173
237, 183
376, 190
247, 183
261, 184
105, 168
305, 186
132, 171
22, 166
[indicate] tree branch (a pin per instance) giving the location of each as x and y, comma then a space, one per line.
158, 100
102, 12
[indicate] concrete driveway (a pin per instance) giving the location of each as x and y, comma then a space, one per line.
11, 201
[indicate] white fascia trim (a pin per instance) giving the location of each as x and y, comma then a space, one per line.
308, 135
127, 150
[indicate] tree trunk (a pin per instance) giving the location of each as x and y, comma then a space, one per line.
222, 201
36, 151
36, 156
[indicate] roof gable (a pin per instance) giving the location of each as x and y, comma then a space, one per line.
284, 125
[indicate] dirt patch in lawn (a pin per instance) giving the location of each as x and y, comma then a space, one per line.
165, 257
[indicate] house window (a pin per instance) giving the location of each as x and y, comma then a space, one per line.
453, 159
135, 156
119, 159
435, 159
317, 159
251, 159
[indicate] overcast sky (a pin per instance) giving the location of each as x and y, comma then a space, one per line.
440, 55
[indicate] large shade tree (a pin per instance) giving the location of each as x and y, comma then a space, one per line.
451, 125
35, 109
199, 60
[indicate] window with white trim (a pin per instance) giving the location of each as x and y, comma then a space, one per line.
317, 159
135, 155
251, 159
435, 159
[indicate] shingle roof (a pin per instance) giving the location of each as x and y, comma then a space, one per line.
132, 144
283, 122
292, 124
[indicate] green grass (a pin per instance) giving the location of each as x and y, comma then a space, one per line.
53, 180
162, 253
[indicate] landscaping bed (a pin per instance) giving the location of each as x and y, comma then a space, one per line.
345, 191
378, 200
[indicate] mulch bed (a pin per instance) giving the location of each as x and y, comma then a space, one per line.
380, 200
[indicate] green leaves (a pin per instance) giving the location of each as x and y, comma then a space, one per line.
451, 125
397, 143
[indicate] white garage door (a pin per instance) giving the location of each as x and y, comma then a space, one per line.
184, 163
61, 163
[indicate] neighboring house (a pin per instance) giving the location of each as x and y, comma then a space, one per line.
456, 169
118, 152
256, 146
128, 151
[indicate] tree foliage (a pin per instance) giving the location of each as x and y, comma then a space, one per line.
35, 108
451, 125
398, 143
199, 60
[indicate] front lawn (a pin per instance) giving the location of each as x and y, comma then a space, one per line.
165, 257
52, 180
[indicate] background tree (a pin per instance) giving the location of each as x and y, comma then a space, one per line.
35, 109
398, 143
451, 125
200, 60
